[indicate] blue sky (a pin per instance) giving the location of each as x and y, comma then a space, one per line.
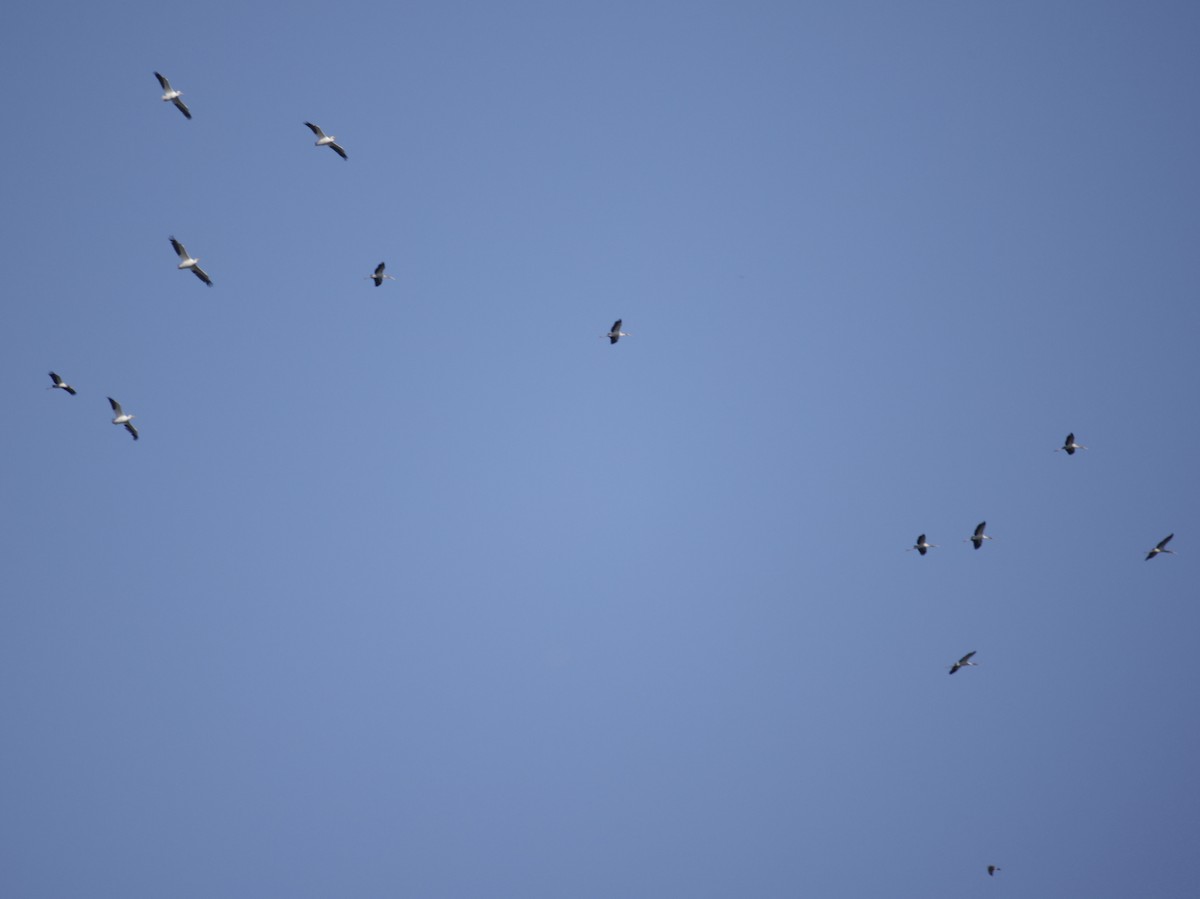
427, 590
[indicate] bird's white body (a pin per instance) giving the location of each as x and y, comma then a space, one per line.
326, 140
1161, 548
922, 545
979, 536
187, 262
964, 662
121, 417
1069, 445
615, 333
170, 95
60, 384
378, 276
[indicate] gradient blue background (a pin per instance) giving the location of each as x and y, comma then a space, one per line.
428, 591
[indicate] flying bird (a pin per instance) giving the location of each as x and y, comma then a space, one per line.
326, 140
1069, 445
186, 261
616, 333
979, 536
964, 662
921, 546
123, 418
992, 869
1159, 549
60, 384
379, 275
172, 95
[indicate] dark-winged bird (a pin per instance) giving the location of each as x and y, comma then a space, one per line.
964, 662
615, 333
921, 546
1159, 549
123, 418
325, 140
1069, 445
171, 95
60, 384
979, 536
187, 262
379, 275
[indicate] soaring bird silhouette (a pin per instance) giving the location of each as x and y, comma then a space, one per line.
615, 333
171, 95
921, 546
964, 662
979, 536
1069, 445
326, 140
1159, 549
187, 262
379, 275
60, 384
122, 418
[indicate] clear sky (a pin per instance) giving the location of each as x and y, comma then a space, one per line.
426, 590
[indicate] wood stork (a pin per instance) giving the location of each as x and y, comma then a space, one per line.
171, 95
186, 261
1069, 445
616, 333
979, 536
964, 662
326, 140
123, 418
1159, 549
379, 275
992, 869
60, 384
921, 546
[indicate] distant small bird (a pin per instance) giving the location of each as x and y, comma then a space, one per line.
979, 535
60, 384
964, 662
123, 418
1069, 445
992, 869
615, 333
324, 140
379, 275
921, 546
186, 261
1159, 549
172, 95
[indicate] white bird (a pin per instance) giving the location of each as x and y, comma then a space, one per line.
1159, 549
379, 275
60, 384
616, 333
1069, 445
123, 418
921, 546
964, 662
186, 261
171, 95
326, 140
979, 536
